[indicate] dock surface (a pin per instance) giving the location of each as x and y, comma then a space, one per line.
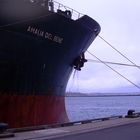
124, 132
113, 129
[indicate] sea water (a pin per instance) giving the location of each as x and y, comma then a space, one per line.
81, 108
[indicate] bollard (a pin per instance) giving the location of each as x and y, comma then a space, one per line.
131, 114
3, 127
3, 131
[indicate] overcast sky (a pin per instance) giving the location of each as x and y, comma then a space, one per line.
120, 21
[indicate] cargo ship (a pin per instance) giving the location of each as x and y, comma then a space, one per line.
41, 42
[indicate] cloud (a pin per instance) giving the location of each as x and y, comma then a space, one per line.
119, 22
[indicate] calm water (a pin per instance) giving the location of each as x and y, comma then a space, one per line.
80, 108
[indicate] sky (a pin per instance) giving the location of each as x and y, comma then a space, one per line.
119, 21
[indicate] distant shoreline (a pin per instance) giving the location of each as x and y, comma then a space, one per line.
99, 95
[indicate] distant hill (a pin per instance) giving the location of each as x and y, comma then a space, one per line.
71, 94
75, 94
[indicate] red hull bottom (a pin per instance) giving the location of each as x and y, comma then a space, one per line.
22, 111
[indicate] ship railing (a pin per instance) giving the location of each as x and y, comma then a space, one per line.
60, 7
57, 7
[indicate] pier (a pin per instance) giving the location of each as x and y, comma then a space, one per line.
110, 128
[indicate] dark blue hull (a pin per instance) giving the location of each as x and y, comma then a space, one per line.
36, 60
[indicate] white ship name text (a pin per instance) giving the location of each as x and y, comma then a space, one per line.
44, 34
